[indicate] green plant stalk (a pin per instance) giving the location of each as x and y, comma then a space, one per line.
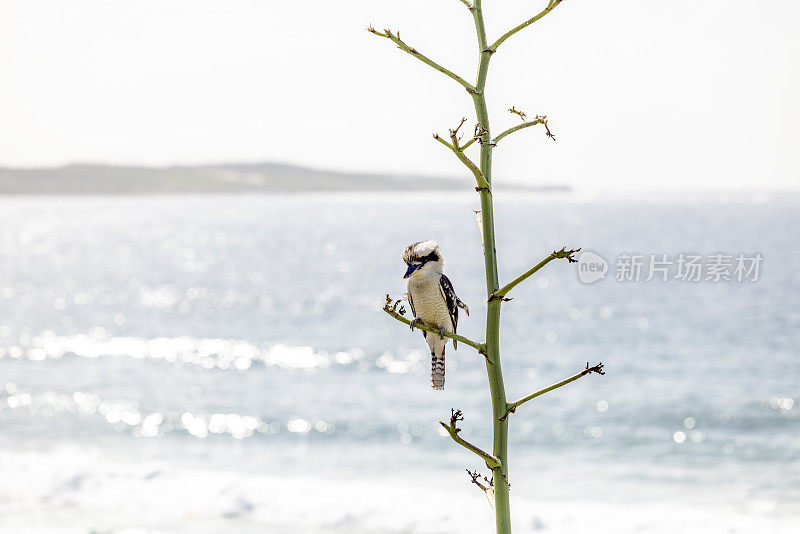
497, 461
502, 504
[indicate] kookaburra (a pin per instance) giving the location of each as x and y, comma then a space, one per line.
433, 301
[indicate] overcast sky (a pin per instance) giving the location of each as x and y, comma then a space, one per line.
640, 94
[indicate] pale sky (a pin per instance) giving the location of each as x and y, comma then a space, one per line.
641, 94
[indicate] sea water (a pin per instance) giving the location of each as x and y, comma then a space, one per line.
221, 363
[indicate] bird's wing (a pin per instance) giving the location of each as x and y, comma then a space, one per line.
411, 303
449, 295
414, 312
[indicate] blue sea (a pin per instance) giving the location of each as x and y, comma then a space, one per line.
221, 363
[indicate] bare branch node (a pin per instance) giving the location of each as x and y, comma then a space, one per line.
476, 479
564, 253
454, 133
594, 369
543, 121
521, 114
456, 416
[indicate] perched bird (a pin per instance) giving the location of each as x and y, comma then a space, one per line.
433, 301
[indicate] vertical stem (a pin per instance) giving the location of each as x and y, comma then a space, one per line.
494, 370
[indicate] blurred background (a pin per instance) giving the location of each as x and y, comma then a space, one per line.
203, 205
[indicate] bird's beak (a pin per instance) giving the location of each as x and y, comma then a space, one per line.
411, 268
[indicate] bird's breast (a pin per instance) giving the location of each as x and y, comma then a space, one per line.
429, 305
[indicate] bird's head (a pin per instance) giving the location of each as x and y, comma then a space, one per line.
423, 257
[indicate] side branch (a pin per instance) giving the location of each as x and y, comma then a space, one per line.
540, 119
459, 152
551, 5
391, 309
512, 407
411, 50
492, 462
557, 254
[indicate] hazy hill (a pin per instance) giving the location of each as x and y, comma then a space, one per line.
264, 177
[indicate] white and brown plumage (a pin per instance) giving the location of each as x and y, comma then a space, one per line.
433, 301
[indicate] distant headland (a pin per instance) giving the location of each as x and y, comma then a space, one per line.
224, 178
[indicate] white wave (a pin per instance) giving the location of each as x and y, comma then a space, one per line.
72, 490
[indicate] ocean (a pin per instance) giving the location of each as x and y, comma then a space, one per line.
221, 363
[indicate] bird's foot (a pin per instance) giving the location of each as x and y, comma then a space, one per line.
414, 322
441, 332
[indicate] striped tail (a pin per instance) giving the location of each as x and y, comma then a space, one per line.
437, 371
